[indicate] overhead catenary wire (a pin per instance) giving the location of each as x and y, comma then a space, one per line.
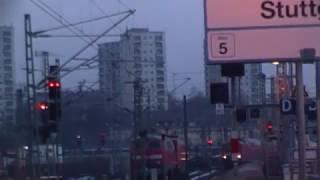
53, 15
94, 58
95, 40
81, 22
129, 13
89, 43
73, 36
123, 4
103, 12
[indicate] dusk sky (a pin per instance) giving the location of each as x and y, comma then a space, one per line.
181, 20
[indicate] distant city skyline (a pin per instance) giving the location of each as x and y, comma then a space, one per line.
184, 30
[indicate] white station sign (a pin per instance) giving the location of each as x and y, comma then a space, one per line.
260, 30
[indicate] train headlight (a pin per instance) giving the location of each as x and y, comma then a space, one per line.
239, 156
224, 156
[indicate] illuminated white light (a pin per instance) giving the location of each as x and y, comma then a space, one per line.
239, 156
275, 63
224, 156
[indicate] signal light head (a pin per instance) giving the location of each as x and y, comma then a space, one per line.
51, 84
269, 127
210, 141
42, 106
54, 84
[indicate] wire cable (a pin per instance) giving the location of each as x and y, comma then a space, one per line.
103, 12
58, 20
95, 40
82, 22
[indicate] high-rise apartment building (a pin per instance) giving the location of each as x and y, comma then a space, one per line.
7, 75
139, 55
253, 85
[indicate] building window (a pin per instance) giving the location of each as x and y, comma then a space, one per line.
6, 40
7, 61
7, 68
8, 82
9, 103
138, 72
160, 72
6, 33
159, 51
137, 44
160, 65
159, 45
159, 58
137, 38
137, 65
137, 58
161, 100
160, 93
161, 79
7, 47
137, 51
160, 86
7, 54
158, 38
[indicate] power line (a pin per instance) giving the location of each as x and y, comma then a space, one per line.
103, 12
73, 36
58, 20
123, 4
96, 39
81, 22
89, 43
94, 58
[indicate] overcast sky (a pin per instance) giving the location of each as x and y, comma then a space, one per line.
181, 20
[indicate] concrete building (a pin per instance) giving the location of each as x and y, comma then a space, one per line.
213, 75
252, 84
140, 54
7, 75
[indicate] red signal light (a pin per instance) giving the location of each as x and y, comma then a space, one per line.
42, 106
51, 84
269, 127
209, 141
54, 84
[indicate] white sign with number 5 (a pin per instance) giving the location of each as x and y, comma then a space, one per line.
260, 30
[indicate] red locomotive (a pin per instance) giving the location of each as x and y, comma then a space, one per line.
157, 157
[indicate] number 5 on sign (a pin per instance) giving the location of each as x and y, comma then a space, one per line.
222, 45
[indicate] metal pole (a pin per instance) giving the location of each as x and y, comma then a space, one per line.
235, 95
185, 128
318, 114
301, 120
